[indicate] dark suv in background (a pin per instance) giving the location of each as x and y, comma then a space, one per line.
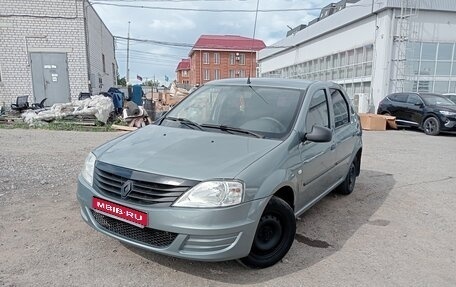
432, 113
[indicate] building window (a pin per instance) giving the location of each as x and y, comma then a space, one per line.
232, 73
104, 62
216, 58
114, 74
206, 75
185, 73
232, 58
205, 58
241, 59
0, 73
240, 73
217, 74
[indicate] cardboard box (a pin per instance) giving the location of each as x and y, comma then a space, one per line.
374, 122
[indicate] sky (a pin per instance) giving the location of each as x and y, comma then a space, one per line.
152, 60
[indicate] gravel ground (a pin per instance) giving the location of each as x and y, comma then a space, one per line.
396, 229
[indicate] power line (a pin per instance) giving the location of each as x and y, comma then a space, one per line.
177, 44
154, 54
164, 43
205, 9
178, 1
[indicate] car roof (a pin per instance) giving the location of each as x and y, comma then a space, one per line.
265, 82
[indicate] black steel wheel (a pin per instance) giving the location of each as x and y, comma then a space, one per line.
348, 185
274, 235
431, 126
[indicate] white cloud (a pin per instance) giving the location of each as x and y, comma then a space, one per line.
186, 27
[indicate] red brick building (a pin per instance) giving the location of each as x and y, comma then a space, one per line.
183, 72
223, 56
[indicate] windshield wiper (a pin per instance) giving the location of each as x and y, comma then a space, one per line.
185, 122
231, 129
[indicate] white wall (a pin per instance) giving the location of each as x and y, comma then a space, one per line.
100, 41
355, 35
49, 26
379, 29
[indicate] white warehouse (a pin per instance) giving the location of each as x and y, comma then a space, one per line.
53, 49
372, 48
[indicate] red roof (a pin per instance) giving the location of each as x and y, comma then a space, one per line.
227, 42
184, 64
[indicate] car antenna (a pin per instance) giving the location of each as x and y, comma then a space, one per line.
253, 41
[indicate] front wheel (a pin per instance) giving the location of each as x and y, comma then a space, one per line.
274, 235
431, 126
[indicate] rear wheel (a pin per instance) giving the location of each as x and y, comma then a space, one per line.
347, 186
274, 235
431, 126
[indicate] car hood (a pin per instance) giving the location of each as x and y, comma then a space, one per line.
185, 153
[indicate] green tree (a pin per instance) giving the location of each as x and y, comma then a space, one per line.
121, 81
152, 83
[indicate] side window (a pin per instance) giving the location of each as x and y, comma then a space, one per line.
401, 98
340, 107
413, 99
318, 111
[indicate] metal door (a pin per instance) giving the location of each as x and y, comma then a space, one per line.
50, 77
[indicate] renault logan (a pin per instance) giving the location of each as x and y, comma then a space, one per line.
224, 174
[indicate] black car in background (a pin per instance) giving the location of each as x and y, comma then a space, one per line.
432, 113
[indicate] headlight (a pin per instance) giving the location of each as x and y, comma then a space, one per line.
448, 113
212, 194
89, 167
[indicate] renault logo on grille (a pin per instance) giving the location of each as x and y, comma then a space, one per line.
126, 188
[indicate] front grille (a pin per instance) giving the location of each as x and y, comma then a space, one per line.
109, 180
149, 236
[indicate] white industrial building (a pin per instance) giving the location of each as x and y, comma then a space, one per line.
53, 49
372, 48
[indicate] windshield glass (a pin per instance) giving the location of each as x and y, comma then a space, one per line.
436, 100
268, 112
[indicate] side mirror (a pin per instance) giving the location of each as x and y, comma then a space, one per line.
418, 104
319, 134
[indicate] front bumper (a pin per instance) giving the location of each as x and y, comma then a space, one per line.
211, 234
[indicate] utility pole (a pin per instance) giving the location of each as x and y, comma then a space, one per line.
128, 54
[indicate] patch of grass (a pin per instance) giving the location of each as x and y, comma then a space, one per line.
58, 126
14, 125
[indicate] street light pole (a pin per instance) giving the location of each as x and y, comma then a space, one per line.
128, 54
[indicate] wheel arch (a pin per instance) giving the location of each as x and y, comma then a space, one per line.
286, 193
427, 116
357, 160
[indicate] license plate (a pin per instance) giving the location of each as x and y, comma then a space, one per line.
120, 212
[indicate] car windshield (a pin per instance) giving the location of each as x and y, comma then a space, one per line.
436, 100
244, 110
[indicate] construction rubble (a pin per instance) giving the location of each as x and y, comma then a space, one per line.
98, 106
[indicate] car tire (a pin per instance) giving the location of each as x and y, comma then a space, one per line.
348, 185
274, 235
431, 126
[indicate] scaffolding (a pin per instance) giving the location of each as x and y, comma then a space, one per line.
406, 31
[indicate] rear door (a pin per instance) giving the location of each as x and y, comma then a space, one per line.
399, 106
414, 110
317, 158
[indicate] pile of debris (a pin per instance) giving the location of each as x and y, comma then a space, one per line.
97, 108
